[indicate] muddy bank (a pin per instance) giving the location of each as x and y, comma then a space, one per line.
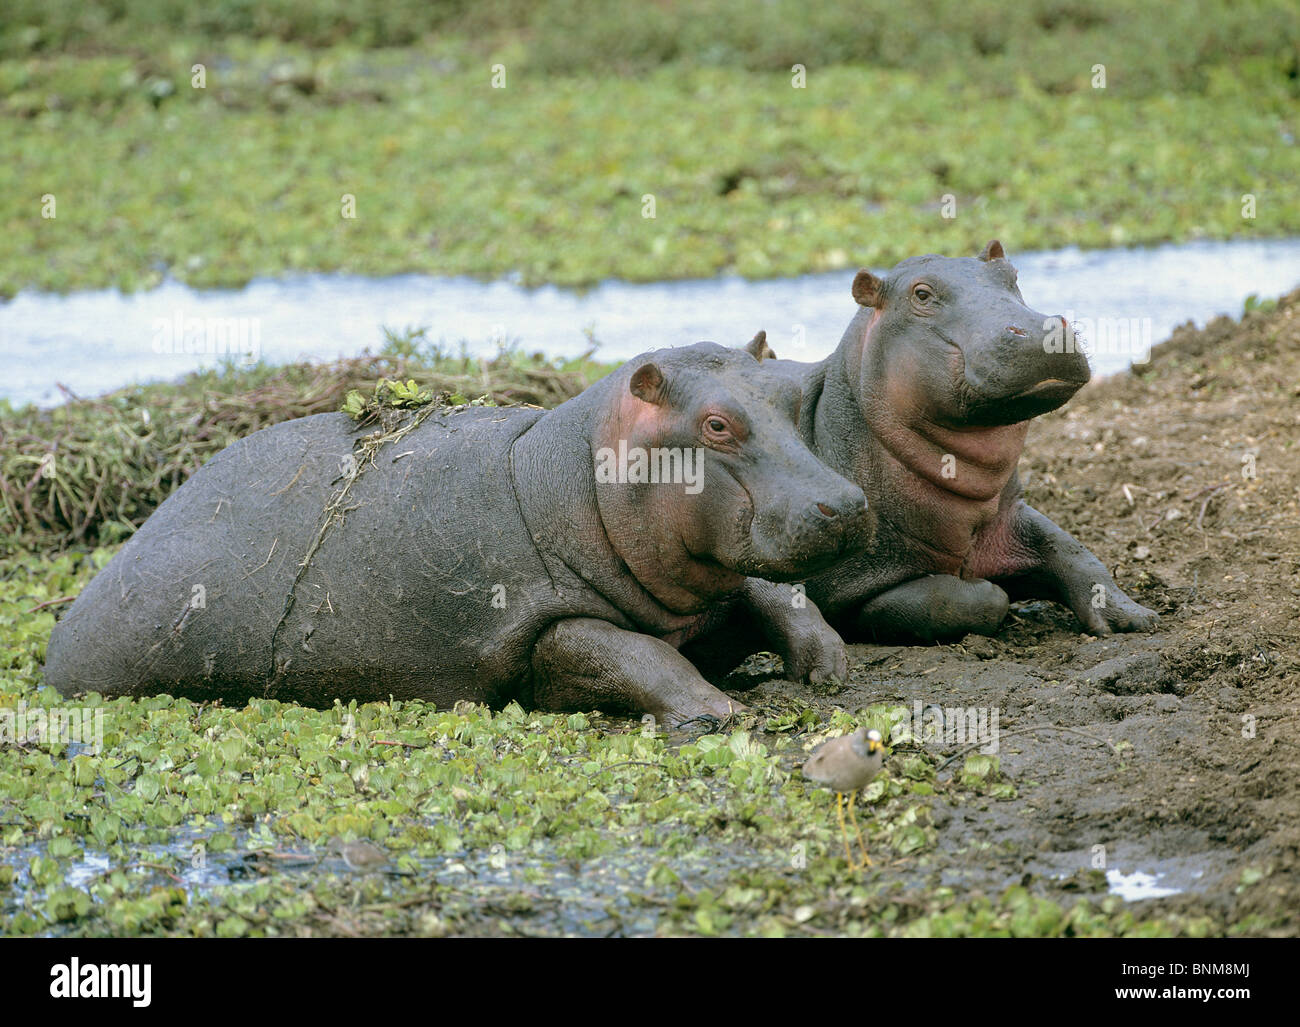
1180, 754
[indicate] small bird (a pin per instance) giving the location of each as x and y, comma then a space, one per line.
360, 855
846, 764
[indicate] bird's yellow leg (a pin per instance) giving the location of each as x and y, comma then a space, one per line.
862, 846
844, 830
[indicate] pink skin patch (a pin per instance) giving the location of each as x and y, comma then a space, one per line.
997, 553
948, 481
651, 533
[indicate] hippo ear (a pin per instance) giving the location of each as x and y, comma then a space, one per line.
758, 348
993, 251
647, 383
867, 289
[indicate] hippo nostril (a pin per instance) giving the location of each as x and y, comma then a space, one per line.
826, 510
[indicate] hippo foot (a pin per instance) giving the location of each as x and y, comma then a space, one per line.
1117, 613
705, 723
794, 627
932, 609
583, 663
1074, 576
816, 655
707, 718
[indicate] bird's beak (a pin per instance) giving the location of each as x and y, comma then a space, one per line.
873, 746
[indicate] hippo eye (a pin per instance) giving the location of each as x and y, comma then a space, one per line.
922, 293
716, 428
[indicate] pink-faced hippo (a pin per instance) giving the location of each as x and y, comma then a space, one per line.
925, 404
559, 558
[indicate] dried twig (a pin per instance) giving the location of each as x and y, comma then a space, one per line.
51, 602
1025, 730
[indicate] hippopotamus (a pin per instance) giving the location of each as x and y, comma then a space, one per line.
925, 404
558, 558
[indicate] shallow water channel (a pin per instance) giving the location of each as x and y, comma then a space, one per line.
1123, 299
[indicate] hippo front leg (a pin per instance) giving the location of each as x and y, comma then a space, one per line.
931, 609
795, 629
1066, 571
583, 663
789, 625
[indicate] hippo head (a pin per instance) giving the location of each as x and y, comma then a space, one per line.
955, 334
700, 473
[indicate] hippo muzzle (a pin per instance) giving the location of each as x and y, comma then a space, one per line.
805, 516
1014, 370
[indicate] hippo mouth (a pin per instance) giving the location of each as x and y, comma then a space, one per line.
1049, 388
1048, 394
761, 558
1040, 398
776, 556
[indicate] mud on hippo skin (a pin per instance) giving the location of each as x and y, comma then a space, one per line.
484, 554
925, 404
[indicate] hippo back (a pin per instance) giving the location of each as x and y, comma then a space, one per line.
274, 571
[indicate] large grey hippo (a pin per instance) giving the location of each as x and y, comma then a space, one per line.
560, 558
925, 404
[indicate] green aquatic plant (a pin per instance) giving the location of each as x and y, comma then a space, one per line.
399, 395
547, 180
200, 819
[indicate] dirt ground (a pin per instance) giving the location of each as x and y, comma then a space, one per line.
1187, 766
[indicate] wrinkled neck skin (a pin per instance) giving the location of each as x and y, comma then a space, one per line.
625, 550
900, 459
